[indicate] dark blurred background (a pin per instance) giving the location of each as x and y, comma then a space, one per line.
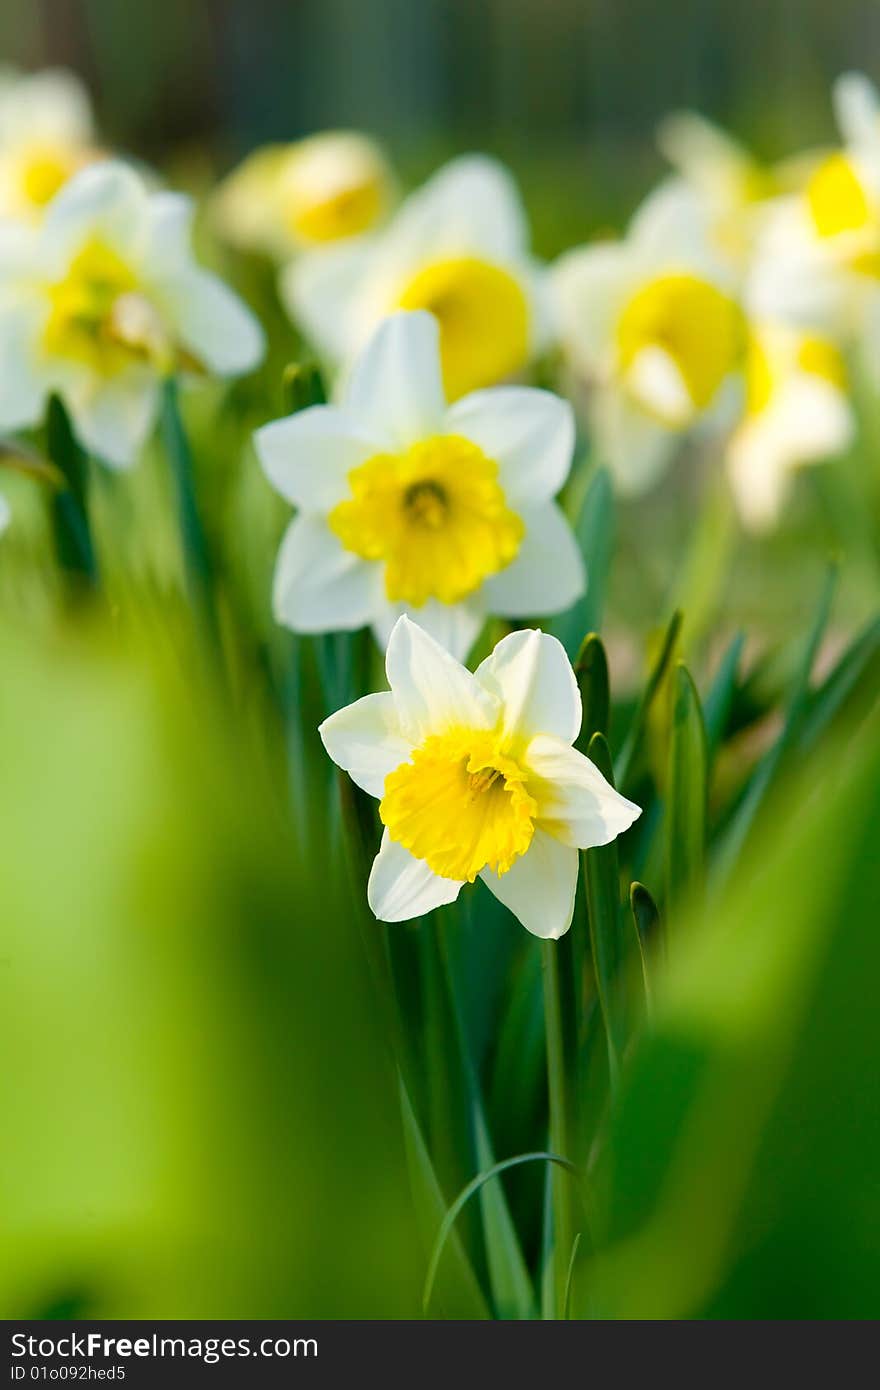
539, 81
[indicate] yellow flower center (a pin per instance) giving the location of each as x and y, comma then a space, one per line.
435, 516
99, 317
461, 805
483, 316
766, 370
838, 204
343, 213
696, 325
44, 170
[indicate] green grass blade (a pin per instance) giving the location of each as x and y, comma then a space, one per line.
446, 1233
632, 743
741, 823
70, 516
595, 534
854, 682
719, 701
512, 1293
197, 561
687, 795
646, 925
302, 385
458, 1290
591, 671
602, 878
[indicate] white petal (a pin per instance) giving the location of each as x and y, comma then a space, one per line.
5, 513
529, 433
364, 739
112, 418
455, 626
320, 291
672, 228
402, 887
548, 573
857, 109
634, 445
211, 321
470, 206
108, 200
531, 675
168, 245
588, 286
657, 384
575, 802
45, 107
540, 886
396, 385
319, 586
307, 457
433, 691
23, 387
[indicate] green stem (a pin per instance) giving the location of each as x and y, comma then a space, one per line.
70, 518
560, 1119
196, 555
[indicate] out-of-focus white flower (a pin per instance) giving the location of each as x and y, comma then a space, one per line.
458, 247
407, 504
797, 412
477, 776
103, 299
46, 135
734, 186
652, 325
284, 198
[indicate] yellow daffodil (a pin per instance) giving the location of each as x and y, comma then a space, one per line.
285, 198
408, 504
46, 136
103, 299
458, 248
797, 412
653, 327
476, 776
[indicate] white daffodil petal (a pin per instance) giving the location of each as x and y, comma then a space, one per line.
432, 690
531, 675
470, 206
364, 739
539, 888
320, 292
456, 626
319, 586
396, 385
548, 573
529, 433
636, 447
113, 418
857, 109
574, 800
307, 457
169, 238
106, 200
212, 322
23, 386
587, 287
402, 887
657, 384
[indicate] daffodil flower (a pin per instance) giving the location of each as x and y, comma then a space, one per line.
652, 325
408, 504
476, 776
46, 135
797, 412
458, 247
102, 300
286, 198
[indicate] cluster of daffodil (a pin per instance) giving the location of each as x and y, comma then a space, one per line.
426, 489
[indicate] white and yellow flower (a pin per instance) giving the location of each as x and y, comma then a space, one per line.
797, 412
408, 504
286, 198
457, 247
101, 301
652, 326
46, 135
476, 777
